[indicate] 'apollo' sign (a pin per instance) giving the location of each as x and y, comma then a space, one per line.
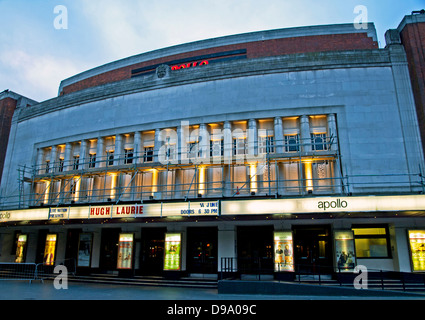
336, 204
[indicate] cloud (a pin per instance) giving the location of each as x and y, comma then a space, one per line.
40, 75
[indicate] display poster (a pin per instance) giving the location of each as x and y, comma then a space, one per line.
84, 250
172, 252
345, 251
417, 249
283, 251
125, 251
49, 250
21, 248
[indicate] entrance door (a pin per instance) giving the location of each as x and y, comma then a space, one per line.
312, 249
152, 251
71, 250
109, 249
202, 250
255, 249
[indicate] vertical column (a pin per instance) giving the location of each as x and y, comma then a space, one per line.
227, 180
157, 145
252, 137
138, 147
204, 142
83, 154
118, 150
53, 154
278, 135
40, 164
182, 134
178, 183
67, 159
305, 134
101, 158
228, 142
333, 136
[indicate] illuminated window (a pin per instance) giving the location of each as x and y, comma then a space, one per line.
372, 242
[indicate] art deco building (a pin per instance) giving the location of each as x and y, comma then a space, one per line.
293, 148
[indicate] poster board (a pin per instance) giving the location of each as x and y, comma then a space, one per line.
172, 252
283, 251
21, 248
417, 249
125, 251
50, 250
345, 253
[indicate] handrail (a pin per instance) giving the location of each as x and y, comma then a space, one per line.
230, 270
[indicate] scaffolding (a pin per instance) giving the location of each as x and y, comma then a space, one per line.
139, 177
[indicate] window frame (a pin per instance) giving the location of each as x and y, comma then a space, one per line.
377, 236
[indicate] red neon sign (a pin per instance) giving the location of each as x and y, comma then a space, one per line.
190, 65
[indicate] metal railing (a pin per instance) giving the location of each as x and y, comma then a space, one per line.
233, 268
18, 271
34, 271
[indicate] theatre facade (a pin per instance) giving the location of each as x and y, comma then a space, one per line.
291, 148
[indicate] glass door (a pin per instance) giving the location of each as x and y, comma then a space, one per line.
202, 250
312, 249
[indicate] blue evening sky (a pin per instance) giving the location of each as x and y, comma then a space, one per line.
35, 56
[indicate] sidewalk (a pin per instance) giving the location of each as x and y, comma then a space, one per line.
17, 290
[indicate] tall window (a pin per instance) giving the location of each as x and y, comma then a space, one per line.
47, 166
216, 148
318, 142
148, 154
92, 160
239, 146
110, 158
292, 143
372, 242
266, 145
76, 162
128, 156
61, 163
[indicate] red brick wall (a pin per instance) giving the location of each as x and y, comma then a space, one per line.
413, 39
335, 42
7, 107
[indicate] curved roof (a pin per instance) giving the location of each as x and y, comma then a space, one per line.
248, 45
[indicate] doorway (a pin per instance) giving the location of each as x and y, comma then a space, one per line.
152, 251
255, 249
109, 249
202, 250
312, 249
